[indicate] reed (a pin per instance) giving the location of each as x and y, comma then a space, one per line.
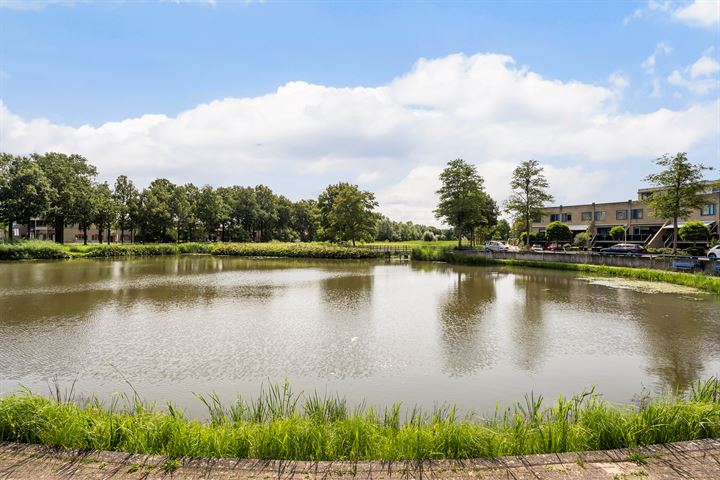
282, 424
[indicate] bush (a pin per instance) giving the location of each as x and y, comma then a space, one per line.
559, 232
617, 233
32, 249
428, 236
300, 250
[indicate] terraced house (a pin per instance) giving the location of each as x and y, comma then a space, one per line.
635, 216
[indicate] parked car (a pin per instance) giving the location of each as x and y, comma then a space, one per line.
623, 249
554, 246
536, 248
495, 246
714, 252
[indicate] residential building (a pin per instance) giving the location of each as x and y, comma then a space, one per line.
635, 216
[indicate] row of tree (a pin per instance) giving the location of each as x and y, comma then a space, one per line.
63, 190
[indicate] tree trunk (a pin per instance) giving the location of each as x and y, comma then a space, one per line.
100, 234
60, 229
122, 234
29, 224
527, 228
10, 231
85, 235
108, 236
675, 234
459, 240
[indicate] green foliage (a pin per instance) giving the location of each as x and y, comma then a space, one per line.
25, 191
280, 424
302, 250
694, 232
524, 238
463, 203
582, 239
32, 249
681, 189
347, 213
428, 236
501, 231
558, 232
617, 233
529, 194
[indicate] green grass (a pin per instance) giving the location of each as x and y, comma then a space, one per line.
695, 280
280, 424
49, 250
420, 243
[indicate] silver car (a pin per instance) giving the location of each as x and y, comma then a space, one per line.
495, 246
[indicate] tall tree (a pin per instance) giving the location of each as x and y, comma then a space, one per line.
305, 219
156, 210
106, 210
25, 192
84, 207
529, 194
70, 177
211, 210
351, 216
126, 198
463, 202
681, 189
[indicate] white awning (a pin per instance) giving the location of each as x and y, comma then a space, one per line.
680, 224
578, 227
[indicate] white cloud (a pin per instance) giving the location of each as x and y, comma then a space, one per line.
649, 64
37, 5
698, 78
704, 13
619, 80
482, 108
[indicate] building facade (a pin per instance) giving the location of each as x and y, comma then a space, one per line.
636, 217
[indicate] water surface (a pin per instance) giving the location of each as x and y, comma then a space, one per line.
419, 333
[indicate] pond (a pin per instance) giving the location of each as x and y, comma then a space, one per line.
419, 333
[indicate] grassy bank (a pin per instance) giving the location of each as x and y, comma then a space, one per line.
48, 250
696, 280
282, 425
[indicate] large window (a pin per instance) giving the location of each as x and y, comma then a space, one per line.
599, 216
637, 213
621, 215
567, 217
586, 216
708, 210
554, 217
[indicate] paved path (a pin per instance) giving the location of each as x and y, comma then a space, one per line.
696, 460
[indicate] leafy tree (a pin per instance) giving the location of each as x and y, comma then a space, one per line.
126, 198
582, 239
428, 236
84, 207
558, 232
267, 213
211, 210
25, 192
694, 232
183, 205
105, 210
501, 230
306, 219
385, 230
617, 233
680, 189
463, 203
70, 177
529, 194
156, 213
351, 215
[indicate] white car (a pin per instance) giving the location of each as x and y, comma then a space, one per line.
536, 248
495, 246
714, 252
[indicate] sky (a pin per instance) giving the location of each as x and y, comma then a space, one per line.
298, 95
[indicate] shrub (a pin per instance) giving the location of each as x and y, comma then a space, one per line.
30, 249
559, 232
428, 236
617, 233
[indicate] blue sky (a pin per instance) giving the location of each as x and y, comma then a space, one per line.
171, 77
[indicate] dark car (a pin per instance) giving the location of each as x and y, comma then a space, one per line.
623, 249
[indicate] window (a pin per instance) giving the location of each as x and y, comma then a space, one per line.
637, 213
621, 215
555, 217
708, 210
716, 190
567, 217
599, 216
586, 216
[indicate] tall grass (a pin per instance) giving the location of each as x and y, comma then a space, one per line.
695, 280
280, 424
304, 250
32, 249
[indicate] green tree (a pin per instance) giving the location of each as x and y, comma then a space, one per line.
126, 197
617, 233
529, 194
211, 211
306, 219
70, 177
351, 216
694, 232
267, 213
155, 210
463, 204
558, 232
680, 190
106, 210
25, 191
501, 230
84, 207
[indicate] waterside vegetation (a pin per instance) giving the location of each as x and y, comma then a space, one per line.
695, 280
280, 424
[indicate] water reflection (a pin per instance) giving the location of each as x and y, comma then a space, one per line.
421, 333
